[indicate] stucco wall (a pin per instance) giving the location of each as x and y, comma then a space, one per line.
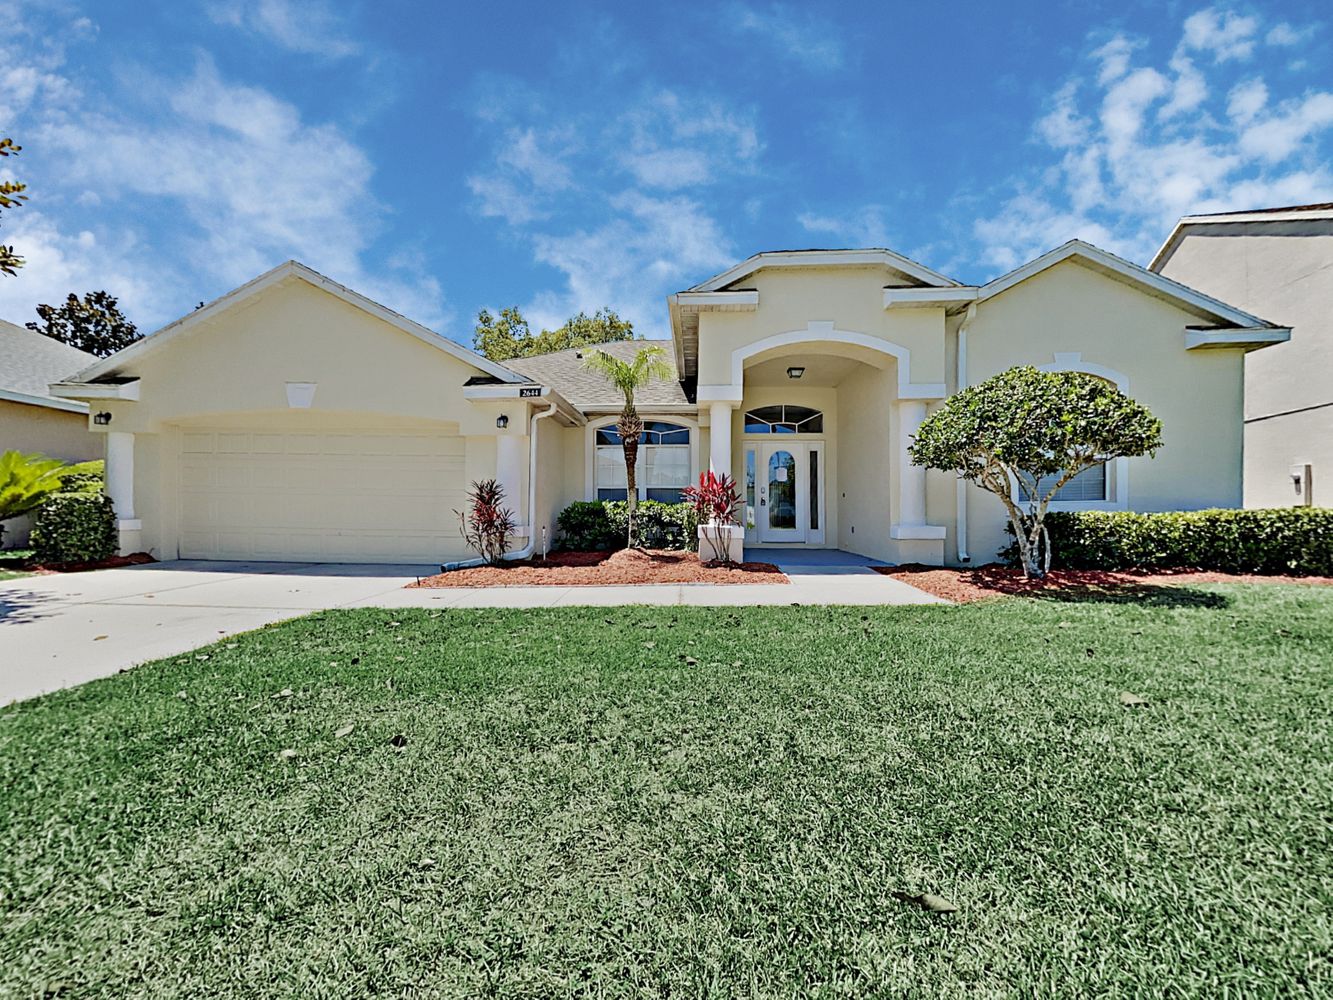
867, 430
57, 433
1281, 272
1197, 394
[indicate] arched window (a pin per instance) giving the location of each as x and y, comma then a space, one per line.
663, 469
784, 419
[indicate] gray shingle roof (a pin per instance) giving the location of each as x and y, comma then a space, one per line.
30, 362
564, 372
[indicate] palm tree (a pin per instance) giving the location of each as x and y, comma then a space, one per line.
647, 364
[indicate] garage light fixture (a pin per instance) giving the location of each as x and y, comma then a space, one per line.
795, 371
502, 421
102, 419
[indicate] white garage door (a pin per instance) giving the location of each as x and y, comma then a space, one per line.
327, 497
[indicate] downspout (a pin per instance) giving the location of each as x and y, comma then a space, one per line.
960, 529
527, 550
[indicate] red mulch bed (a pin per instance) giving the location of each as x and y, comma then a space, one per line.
605, 569
965, 585
115, 562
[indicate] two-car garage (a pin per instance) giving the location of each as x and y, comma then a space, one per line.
350, 495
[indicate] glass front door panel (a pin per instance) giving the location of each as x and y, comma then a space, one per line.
782, 490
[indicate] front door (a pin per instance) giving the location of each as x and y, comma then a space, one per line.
784, 491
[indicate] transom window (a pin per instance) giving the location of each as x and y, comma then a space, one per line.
663, 468
784, 419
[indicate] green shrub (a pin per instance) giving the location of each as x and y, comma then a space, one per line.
75, 528
1295, 540
602, 525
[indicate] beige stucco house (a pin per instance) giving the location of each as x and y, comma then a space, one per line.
33, 420
1277, 262
296, 419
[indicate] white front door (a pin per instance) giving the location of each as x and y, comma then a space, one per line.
787, 509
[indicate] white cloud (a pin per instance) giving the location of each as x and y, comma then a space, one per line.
1284, 34
793, 32
1224, 34
309, 27
234, 179
1143, 146
863, 227
608, 200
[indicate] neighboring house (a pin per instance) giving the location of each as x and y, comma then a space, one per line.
1277, 262
296, 419
31, 419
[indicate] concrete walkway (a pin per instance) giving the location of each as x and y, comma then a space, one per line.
61, 630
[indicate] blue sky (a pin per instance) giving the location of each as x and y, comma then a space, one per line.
447, 157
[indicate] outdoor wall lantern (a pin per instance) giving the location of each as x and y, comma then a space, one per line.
102, 419
795, 371
502, 421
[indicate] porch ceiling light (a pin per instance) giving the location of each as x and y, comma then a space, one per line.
795, 371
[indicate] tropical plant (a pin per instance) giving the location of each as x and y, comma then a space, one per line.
1023, 434
27, 481
716, 501
93, 323
487, 524
629, 377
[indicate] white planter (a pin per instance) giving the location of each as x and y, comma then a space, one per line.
718, 544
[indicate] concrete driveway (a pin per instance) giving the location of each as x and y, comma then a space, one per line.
61, 630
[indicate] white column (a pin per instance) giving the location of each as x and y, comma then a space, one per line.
120, 473
719, 451
911, 478
511, 455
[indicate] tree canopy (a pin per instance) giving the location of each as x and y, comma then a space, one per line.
1020, 427
93, 323
11, 196
508, 336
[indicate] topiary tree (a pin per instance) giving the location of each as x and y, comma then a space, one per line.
1013, 430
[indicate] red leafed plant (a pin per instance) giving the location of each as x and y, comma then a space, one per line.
486, 525
715, 501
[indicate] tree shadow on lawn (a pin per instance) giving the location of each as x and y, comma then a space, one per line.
1143, 595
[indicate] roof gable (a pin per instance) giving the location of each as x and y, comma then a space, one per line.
565, 372
283, 272
910, 269
1204, 306
30, 362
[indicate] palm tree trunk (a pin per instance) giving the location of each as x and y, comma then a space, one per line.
630, 427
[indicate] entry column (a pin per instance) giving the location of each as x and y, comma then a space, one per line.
120, 488
719, 450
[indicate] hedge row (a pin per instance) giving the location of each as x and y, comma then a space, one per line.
74, 528
601, 525
1296, 540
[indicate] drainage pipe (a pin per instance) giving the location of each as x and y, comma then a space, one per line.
960, 529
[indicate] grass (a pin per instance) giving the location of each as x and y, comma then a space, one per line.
690, 802
11, 561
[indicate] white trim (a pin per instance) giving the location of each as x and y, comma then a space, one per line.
1168, 247
293, 269
132, 524
590, 450
1250, 339
96, 390
823, 332
720, 393
1133, 273
1073, 362
739, 301
50, 402
823, 258
917, 297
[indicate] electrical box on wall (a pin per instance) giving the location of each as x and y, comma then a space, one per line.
1302, 482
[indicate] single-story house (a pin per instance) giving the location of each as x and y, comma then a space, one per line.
33, 420
1277, 262
296, 419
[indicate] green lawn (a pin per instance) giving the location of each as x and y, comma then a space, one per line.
651, 802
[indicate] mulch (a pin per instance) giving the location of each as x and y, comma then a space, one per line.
606, 569
115, 562
982, 582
